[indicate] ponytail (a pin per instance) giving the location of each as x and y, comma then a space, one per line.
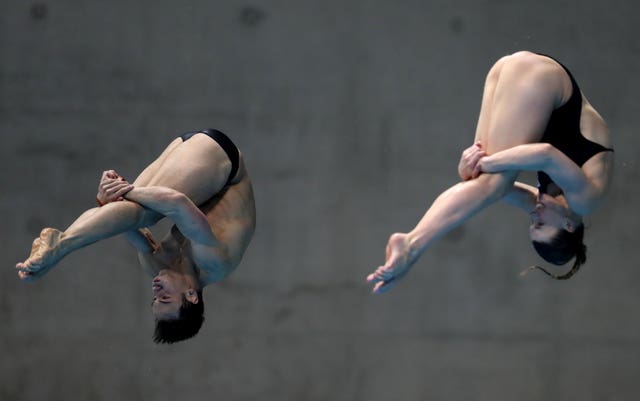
564, 246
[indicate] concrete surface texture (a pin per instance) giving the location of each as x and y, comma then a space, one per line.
351, 116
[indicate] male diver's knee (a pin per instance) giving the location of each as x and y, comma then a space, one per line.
138, 214
149, 217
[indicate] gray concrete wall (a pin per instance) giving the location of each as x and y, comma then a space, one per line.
351, 115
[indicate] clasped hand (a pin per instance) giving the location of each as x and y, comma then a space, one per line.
112, 187
472, 162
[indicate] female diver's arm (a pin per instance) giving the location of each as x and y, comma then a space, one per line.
522, 196
581, 192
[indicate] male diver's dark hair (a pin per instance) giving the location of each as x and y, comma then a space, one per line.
187, 325
561, 249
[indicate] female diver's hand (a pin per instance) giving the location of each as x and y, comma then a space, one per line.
399, 260
112, 187
469, 160
484, 165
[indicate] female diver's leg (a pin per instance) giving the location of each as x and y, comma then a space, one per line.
521, 91
520, 94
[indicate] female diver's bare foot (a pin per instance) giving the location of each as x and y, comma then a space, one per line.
399, 260
45, 253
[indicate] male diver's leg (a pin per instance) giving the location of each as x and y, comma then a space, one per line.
197, 167
186, 169
93, 225
145, 176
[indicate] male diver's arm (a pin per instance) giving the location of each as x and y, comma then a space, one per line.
148, 250
142, 240
110, 189
191, 222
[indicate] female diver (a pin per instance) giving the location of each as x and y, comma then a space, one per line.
533, 117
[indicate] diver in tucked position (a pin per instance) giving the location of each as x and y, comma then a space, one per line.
533, 117
200, 182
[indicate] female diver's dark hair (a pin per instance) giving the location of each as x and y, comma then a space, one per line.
564, 246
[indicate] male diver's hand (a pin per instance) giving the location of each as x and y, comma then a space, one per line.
469, 160
112, 187
399, 260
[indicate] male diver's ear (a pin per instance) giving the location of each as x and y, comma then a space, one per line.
568, 225
192, 296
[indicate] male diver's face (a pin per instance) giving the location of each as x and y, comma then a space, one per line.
548, 217
168, 289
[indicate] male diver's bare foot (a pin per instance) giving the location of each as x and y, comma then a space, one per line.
399, 260
45, 253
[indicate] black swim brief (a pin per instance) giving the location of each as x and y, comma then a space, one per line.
225, 143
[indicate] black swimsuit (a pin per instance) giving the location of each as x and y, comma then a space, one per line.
225, 143
563, 132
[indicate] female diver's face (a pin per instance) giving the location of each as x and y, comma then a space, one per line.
548, 217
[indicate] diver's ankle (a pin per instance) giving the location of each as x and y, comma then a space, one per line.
414, 247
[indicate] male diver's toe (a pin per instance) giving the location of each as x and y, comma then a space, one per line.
28, 265
27, 277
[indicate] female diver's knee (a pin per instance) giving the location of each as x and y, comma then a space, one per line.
497, 185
